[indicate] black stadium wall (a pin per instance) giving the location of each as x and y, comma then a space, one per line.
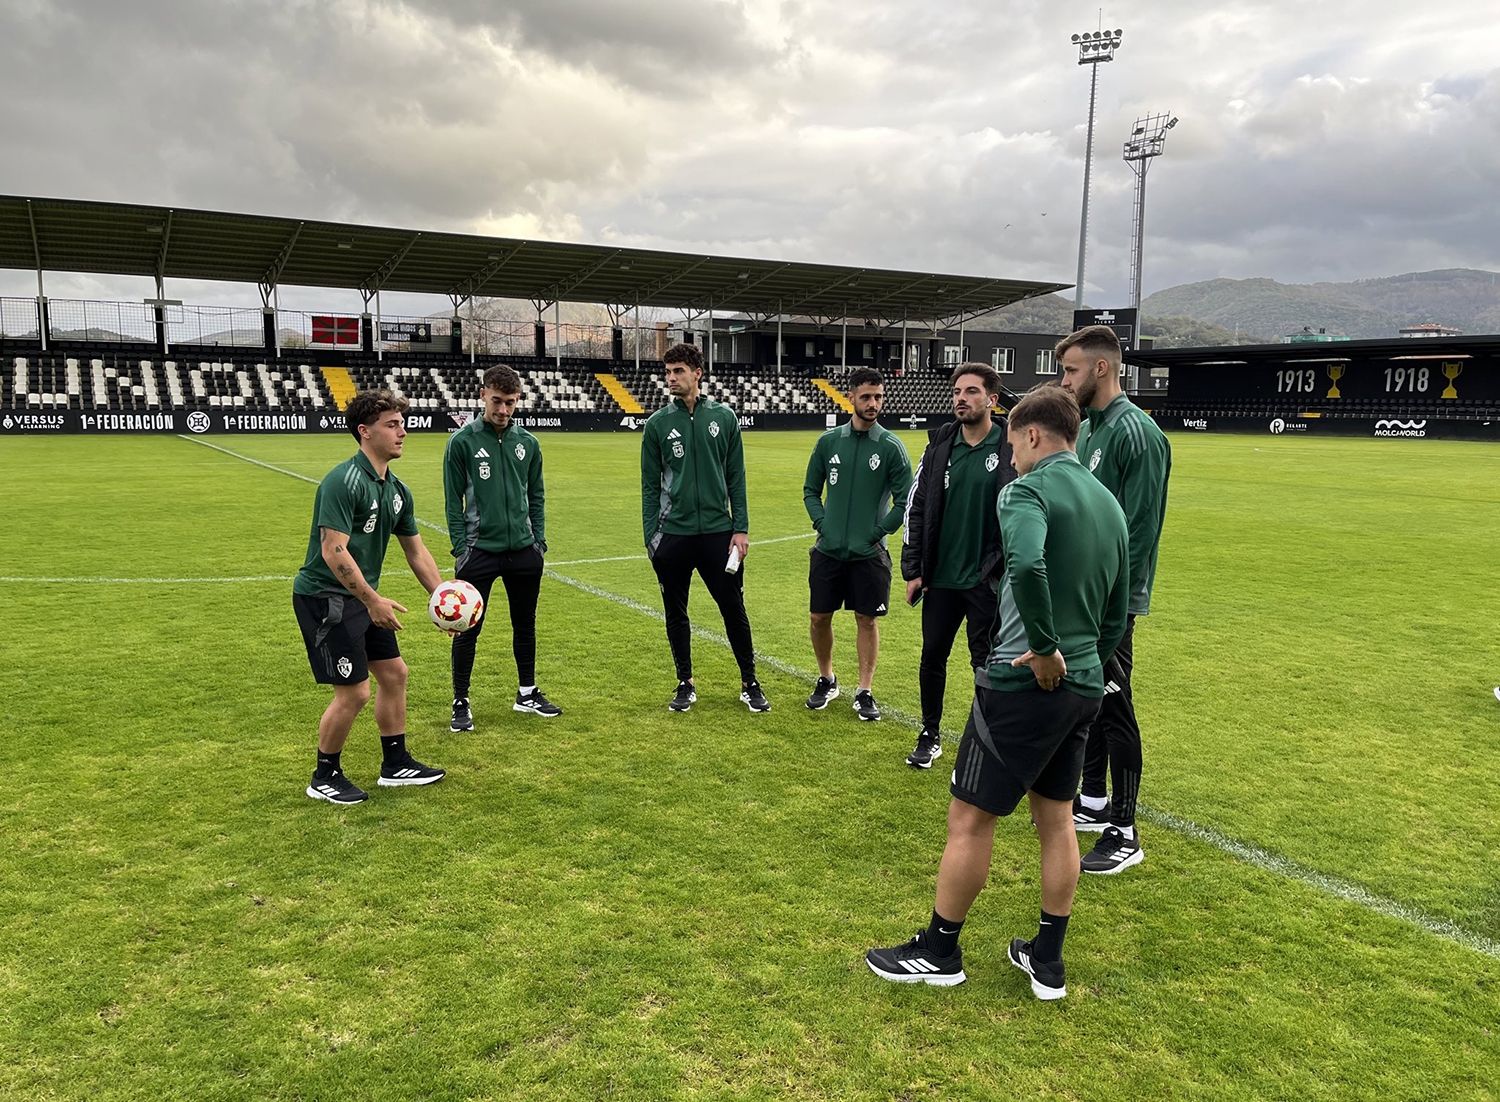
201, 423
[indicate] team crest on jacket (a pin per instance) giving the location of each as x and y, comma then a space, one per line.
874, 462
1094, 459
677, 449
713, 429
396, 504
484, 471
520, 451
370, 524
992, 462
833, 476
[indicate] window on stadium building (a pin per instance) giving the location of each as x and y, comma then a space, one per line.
812, 349
1003, 360
869, 351
1046, 362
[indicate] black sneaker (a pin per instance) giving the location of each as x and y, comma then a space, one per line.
929, 749
865, 706
336, 789
409, 771
825, 690
1048, 978
535, 703
463, 719
1086, 818
913, 962
686, 694
753, 698
1113, 853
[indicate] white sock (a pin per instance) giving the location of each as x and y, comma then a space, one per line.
1094, 803
525, 689
1129, 831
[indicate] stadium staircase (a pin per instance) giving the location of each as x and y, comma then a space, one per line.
832, 391
340, 385
623, 398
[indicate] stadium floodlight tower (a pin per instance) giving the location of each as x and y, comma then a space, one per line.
1147, 141
1093, 47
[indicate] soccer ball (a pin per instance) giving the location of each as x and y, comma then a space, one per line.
455, 607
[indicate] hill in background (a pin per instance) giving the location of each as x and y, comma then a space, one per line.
1254, 311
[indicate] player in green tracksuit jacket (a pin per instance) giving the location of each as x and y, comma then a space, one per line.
867, 475
694, 517
1064, 595
496, 507
1132, 459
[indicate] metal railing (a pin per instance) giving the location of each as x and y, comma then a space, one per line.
18, 319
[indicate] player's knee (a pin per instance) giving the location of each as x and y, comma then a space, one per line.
353, 697
822, 619
863, 622
966, 819
391, 675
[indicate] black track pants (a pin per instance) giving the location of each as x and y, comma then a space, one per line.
943, 610
674, 560
521, 571
1115, 738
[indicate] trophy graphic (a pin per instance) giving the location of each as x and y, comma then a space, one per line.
1453, 371
1335, 372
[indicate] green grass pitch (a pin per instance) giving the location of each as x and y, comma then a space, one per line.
626, 903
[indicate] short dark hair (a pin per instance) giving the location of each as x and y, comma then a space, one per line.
865, 376
684, 354
366, 407
990, 376
503, 378
1097, 342
1050, 408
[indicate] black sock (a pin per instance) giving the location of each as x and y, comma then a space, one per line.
394, 747
1049, 937
942, 935
328, 764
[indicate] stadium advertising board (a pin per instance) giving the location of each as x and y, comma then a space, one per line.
204, 422
1330, 379
1393, 428
406, 332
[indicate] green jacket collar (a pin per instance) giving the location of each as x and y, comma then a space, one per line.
1112, 412
362, 461
1064, 456
876, 431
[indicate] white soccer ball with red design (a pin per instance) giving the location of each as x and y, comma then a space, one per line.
455, 607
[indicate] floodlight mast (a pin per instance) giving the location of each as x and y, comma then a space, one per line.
1093, 47
1147, 141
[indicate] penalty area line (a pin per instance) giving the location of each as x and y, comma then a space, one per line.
1251, 855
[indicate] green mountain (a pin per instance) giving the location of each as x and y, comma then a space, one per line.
1461, 298
1253, 311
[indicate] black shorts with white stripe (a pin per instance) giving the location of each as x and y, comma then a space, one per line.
1020, 742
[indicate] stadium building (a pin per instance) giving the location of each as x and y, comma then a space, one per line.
779, 337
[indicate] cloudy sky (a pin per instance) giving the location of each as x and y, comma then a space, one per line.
1334, 140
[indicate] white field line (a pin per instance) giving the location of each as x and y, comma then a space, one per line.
149, 581
1242, 851
642, 558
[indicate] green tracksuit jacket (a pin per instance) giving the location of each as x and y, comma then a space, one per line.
868, 476
492, 489
692, 471
1066, 583
1131, 456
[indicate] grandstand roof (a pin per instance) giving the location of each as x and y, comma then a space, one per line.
173, 243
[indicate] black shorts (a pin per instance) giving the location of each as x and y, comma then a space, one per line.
341, 641
1020, 742
861, 585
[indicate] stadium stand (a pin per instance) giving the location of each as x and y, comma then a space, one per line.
125, 382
